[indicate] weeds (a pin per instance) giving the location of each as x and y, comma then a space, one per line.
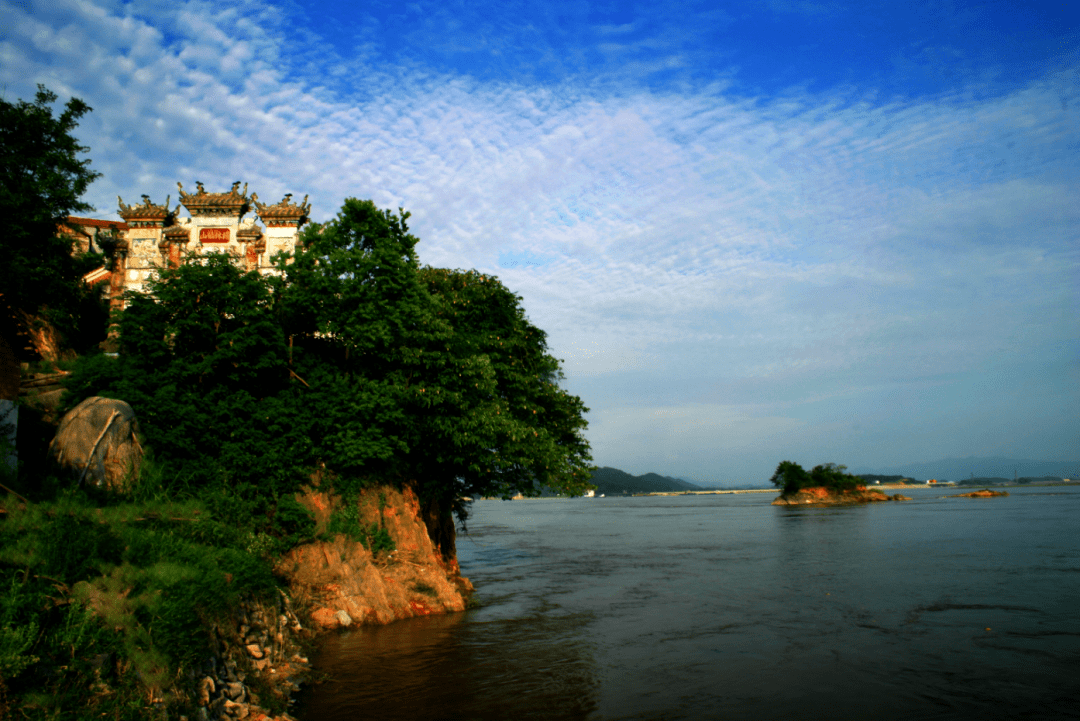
103, 601
346, 520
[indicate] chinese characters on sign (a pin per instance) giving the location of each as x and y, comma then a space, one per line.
214, 235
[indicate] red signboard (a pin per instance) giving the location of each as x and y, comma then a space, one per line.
214, 235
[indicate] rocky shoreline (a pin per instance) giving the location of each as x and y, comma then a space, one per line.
821, 496
984, 493
260, 654
333, 584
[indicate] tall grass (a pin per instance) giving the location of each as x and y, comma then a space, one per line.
107, 600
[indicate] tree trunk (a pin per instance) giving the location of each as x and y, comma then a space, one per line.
438, 516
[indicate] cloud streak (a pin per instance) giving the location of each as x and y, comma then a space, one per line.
766, 267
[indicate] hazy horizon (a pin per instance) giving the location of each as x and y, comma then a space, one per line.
817, 231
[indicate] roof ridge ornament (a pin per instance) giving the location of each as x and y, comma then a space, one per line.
146, 215
233, 203
284, 213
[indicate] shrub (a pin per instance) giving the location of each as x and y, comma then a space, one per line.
791, 477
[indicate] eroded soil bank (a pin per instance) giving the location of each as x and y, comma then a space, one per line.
331, 584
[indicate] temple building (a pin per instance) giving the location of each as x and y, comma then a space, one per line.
156, 237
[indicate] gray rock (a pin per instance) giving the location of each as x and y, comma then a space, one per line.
97, 443
343, 618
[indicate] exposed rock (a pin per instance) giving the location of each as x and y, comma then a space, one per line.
97, 442
343, 618
236, 710
821, 496
342, 575
206, 689
254, 650
984, 493
224, 693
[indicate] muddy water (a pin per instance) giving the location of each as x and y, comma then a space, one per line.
701, 607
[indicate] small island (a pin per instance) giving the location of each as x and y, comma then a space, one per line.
824, 485
984, 493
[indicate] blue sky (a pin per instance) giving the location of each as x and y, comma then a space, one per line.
817, 231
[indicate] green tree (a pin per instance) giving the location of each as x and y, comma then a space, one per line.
357, 365
454, 387
514, 429
834, 477
790, 477
42, 180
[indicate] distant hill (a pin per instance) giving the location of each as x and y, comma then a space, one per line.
957, 469
612, 481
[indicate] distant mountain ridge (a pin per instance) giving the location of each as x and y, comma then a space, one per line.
957, 469
612, 481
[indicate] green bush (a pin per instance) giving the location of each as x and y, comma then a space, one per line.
791, 477
121, 595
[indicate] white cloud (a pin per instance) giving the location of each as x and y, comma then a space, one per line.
792, 240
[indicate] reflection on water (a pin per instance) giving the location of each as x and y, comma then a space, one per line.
726, 607
427, 668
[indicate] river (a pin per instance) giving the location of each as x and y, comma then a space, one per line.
724, 607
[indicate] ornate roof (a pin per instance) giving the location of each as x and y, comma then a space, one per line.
177, 234
147, 214
234, 203
249, 233
284, 213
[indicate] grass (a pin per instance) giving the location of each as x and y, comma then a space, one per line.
105, 603
346, 520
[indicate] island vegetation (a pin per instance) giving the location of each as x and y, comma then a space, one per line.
825, 484
791, 478
355, 367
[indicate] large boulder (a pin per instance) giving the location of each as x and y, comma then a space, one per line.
98, 443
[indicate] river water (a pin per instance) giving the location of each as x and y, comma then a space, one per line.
724, 607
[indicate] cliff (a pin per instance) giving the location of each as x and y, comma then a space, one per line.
332, 584
821, 496
341, 581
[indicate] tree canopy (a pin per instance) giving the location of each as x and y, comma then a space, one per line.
357, 365
42, 179
791, 477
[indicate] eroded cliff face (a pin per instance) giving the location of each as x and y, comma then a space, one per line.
341, 582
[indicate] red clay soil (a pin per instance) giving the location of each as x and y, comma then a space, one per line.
329, 577
821, 496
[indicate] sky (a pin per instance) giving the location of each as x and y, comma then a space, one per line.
826, 231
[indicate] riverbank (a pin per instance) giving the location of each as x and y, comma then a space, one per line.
160, 609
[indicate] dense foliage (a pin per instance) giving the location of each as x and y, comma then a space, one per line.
357, 365
791, 477
103, 603
41, 181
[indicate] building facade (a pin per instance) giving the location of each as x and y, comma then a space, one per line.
156, 237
